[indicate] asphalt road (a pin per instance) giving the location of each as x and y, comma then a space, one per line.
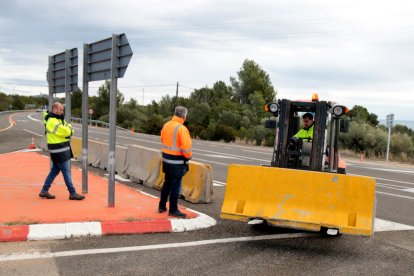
214, 250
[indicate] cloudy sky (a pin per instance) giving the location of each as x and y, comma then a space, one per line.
353, 52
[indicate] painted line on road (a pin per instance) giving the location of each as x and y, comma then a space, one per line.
34, 133
33, 119
71, 253
407, 197
396, 187
396, 181
12, 123
381, 169
266, 153
213, 162
120, 178
385, 225
218, 183
410, 190
195, 149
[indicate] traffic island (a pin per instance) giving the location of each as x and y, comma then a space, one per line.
26, 216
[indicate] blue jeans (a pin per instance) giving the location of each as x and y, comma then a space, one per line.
63, 167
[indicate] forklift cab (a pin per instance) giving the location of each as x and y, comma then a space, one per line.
314, 154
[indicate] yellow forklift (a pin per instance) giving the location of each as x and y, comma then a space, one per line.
305, 186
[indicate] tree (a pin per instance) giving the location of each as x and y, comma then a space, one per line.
250, 79
101, 102
360, 114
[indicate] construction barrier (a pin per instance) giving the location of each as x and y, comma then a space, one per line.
300, 199
76, 146
197, 184
120, 159
143, 165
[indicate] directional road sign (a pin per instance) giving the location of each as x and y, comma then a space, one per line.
56, 74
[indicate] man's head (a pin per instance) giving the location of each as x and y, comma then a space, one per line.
57, 108
181, 111
307, 119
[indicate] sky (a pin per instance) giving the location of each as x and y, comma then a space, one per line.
352, 52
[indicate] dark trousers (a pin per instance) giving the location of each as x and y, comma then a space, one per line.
172, 185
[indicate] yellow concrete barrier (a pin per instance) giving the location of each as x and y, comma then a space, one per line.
197, 184
300, 199
76, 146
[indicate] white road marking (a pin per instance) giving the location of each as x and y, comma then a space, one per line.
408, 197
34, 133
195, 149
49, 255
33, 119
217, 184
220, 156
266, 153
385, 225
380, 226
208, 161
383, 169
410, 190
393, 187
120, 178
396, 181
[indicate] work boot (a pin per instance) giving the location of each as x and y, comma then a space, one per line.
177, 214
162, 209
76, 196
46, 195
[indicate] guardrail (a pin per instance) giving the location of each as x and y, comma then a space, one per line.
14, 111
96, 123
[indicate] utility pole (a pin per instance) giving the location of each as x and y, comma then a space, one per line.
176, 91
143, 96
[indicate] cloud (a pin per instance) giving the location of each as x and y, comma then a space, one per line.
349, 51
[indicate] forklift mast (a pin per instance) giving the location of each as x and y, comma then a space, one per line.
312, 155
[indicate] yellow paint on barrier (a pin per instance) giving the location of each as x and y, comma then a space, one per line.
197, 184
76, 145
300, 199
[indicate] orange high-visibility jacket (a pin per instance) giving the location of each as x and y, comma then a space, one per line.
176, 142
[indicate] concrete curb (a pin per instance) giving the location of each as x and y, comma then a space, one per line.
57, 231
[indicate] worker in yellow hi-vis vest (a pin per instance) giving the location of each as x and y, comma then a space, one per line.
58, 133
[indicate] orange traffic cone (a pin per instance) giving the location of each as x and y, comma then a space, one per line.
133, 132
32, 145
362, 158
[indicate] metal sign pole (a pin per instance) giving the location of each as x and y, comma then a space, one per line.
390, 121
388, 142
112, 121
68, 98
85, 92
49, 76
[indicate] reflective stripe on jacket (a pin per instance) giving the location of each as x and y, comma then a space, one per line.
305, 133
176, 142
58, 135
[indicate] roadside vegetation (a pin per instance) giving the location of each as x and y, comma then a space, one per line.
232, 112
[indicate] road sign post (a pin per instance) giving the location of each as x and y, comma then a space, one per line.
104, 59
90, 116
85, 95
390, 121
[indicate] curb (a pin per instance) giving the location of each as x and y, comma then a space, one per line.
68, 230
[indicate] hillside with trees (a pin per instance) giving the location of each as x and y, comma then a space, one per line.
232, 112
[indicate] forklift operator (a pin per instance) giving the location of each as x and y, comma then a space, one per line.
306, 133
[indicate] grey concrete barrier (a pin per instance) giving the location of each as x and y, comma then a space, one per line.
143, 165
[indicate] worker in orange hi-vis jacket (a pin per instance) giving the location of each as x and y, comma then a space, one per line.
176, 153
